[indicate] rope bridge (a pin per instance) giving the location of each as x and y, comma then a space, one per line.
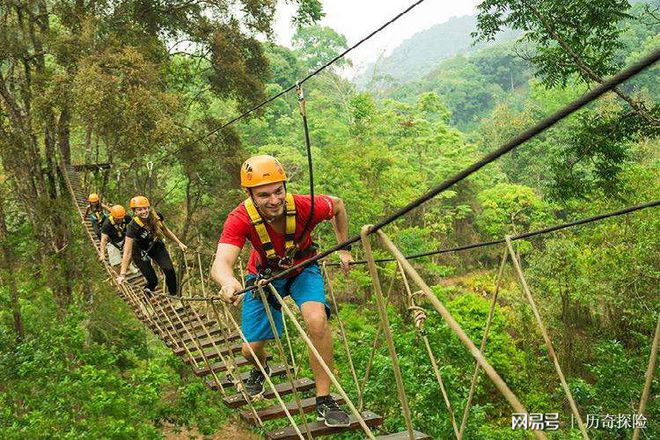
203, 331
208, 340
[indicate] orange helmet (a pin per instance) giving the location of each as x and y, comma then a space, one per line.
139, 202
261, 170
93, 198
117, 212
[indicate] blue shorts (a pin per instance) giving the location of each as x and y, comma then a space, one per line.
306, 286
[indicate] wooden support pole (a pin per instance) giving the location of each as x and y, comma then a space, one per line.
499, 383
546, 337
385, 323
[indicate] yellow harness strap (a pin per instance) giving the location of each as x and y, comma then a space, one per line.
140, 223
119, 228
262, 232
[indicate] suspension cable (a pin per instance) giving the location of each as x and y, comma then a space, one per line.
308, 147
293, 86
528, 134
543, 231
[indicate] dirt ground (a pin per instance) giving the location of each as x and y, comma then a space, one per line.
229, 432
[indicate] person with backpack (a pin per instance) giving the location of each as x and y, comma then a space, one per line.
144, 244
95, 213
113, 233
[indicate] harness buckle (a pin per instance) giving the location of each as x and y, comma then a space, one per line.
285, 262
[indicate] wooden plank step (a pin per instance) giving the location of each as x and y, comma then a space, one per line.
206, 343
284, 388
187, 316
228, 382
183, 310
134, 276
192, 342
212, 353
219, 343
318, 428
161, 311
218, 367
403, 435
192, 324
276, 411
168, 330
213, 332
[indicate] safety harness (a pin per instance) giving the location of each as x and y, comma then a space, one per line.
140, 223
275, 263
97, 212
121, 231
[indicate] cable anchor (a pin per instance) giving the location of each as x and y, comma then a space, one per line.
301, 99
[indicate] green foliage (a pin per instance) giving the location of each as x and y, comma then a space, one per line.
316, 45
471, 85
65, 381
423, 392
561, 32
509, 209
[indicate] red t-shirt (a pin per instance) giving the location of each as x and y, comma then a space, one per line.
238, 227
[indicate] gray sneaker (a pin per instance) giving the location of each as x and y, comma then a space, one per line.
329, 412
254, 385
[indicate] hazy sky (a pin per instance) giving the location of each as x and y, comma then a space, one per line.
357, 18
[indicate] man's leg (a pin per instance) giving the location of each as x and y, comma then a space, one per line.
256, 328
321, 336
308, 291
259, 350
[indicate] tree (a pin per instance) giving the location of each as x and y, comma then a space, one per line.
98, 65
8, 266
316, 45
572, 38
511, 209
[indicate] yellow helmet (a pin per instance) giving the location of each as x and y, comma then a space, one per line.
118, 212
139, 202
93, 198
261, 170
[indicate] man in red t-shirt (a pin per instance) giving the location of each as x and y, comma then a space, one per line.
279, 226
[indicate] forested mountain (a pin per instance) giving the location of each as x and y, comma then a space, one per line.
421, 53
85, 83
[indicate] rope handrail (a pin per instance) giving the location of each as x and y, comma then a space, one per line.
518, 237
528, 134
544, 231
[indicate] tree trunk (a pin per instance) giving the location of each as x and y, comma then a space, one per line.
64, 135
9, 271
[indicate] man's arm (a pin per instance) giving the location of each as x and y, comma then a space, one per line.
85, 214
340, 225
106, 207
340, 219
222, 271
